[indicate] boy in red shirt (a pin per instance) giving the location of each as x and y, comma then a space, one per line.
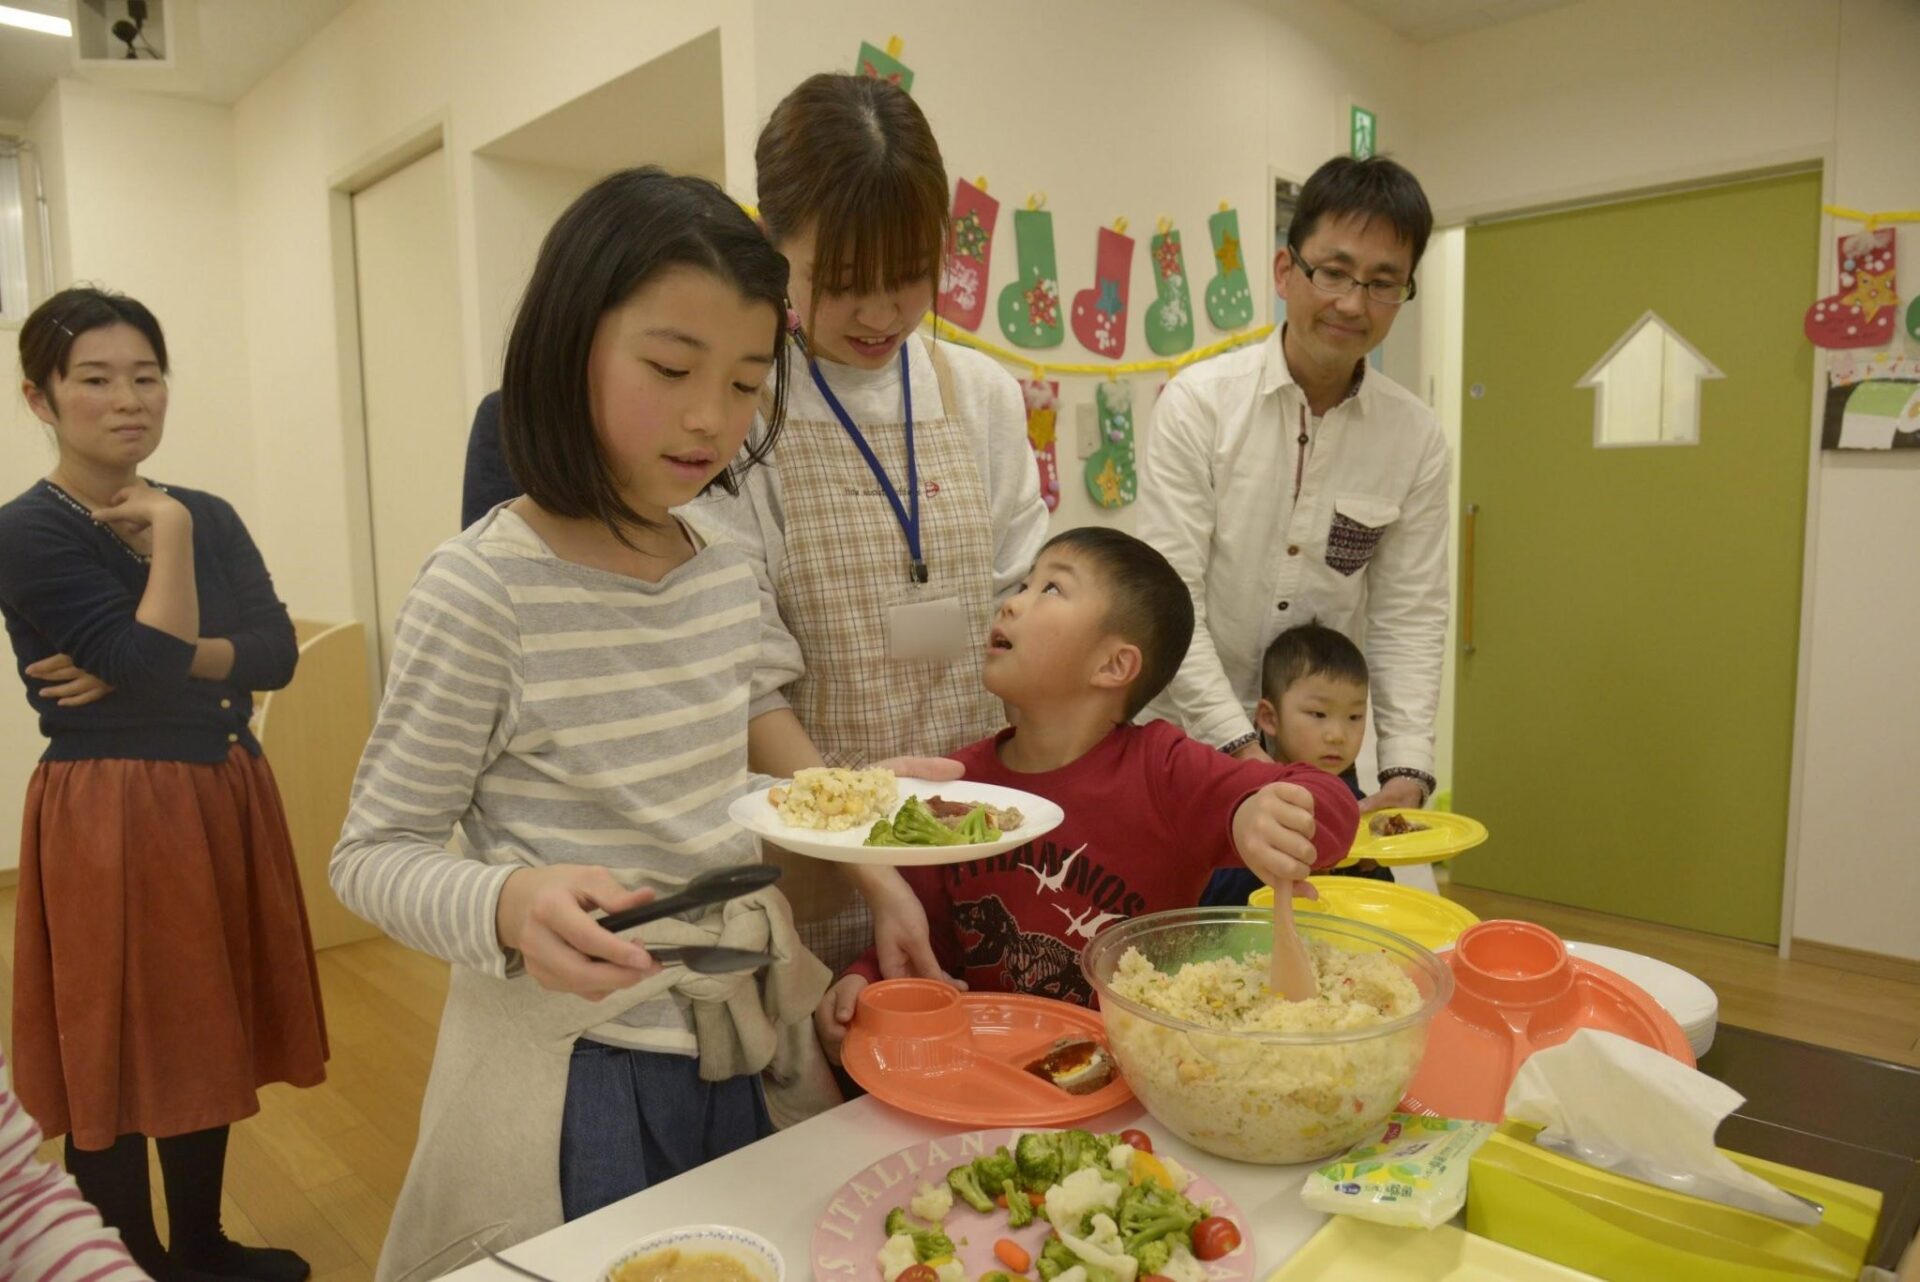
1097, 630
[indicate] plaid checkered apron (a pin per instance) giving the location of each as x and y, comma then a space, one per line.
846, 566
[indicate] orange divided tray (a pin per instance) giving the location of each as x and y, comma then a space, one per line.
931, 1050
1516, 991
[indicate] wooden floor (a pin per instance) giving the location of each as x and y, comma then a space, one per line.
318, 1170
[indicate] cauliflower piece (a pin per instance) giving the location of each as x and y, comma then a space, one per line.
954, 1271
1074, 1274
1074, 1198
897, 1256
1102, 1246
1182, 1267
932, 1204
1120, 1157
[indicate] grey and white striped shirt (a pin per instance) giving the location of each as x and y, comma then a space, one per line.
554, 713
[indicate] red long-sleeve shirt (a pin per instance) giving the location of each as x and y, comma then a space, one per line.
1149, 817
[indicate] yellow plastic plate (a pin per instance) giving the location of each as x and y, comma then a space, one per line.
1348, 1249
1423, 917
1444, 836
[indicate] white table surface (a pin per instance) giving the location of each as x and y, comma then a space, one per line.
779, 1189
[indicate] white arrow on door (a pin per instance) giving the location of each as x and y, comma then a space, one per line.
1646, 389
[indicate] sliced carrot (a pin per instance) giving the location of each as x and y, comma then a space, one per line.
1012, 1254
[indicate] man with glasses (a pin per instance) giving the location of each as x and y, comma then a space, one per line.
1288, 482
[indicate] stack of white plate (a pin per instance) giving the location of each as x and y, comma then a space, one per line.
1690, 1002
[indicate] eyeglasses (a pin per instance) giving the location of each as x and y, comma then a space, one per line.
1334, 281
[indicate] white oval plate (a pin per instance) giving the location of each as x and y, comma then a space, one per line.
757, 815
755, 1254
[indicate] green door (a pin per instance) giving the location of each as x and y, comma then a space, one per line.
1625, 697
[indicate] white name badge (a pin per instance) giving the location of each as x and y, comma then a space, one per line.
927, 631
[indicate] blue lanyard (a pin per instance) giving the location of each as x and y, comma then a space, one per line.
909, 519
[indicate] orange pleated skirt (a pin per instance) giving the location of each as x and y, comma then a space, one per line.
163, 969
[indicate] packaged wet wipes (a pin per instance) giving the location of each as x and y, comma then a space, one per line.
1411, 1173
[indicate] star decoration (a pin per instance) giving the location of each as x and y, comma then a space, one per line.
1871, 292
1043, 303
1110, 298
1228, 255
1040, 428
1109, 483
969, 237
1167, 255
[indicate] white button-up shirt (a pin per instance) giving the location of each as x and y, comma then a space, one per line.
1349, 529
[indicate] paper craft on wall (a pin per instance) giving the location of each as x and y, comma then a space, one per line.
884, 64
1170, 316
1030, 306
1043, 421
1873, 403
1861, 312
963, 273
1100, 313
1110, 469
1913, 320
1229, 298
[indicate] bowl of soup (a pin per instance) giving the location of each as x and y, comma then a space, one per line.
698, 1253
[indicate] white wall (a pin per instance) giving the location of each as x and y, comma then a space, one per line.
142, 195
1116, 108
1611, 96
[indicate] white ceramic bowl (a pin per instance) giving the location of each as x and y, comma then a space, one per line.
755, 1253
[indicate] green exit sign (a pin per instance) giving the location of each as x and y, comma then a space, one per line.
1364, 134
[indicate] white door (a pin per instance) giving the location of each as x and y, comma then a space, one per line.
416, 416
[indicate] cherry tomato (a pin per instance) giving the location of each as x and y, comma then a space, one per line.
918, 1273
1213, 1237
1138, 1139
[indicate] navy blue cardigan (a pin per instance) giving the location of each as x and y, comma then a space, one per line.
68, 586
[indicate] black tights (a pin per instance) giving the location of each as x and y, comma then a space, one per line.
193, 1168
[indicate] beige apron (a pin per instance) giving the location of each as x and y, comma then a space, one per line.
845, 568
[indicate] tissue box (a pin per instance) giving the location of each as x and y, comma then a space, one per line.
1621, 1230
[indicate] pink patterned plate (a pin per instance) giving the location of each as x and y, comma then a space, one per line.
852, 1230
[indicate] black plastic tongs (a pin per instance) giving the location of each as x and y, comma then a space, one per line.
713, 887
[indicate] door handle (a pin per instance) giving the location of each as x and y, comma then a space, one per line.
1468, 522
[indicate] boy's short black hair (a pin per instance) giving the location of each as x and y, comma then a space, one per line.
1372, 188
1310, 649
1150, 608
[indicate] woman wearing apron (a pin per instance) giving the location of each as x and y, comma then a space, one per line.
902, 501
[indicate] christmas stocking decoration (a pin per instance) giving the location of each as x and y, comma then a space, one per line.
1170, 317
1043, 417
1229, 297
1913, 321
1100, 313
1110, 475
1030, 306
884, 64
963, 276
1861, 314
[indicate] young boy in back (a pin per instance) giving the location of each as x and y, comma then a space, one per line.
1098, 629
1312, 711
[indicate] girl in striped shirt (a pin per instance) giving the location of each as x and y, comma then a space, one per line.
574, 681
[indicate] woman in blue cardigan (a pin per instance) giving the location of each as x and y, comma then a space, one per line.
163, 970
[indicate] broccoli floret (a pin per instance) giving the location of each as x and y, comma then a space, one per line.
1019, 1205
997, 1276
897, 1222
931, 1244
1151, 1212
1153, 1256
1038, 1159
966, 1186
995, 1167
913, 825
1078, 1150
973, 829
1055, 1259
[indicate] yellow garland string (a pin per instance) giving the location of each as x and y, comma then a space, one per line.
1872, 218
953, 333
